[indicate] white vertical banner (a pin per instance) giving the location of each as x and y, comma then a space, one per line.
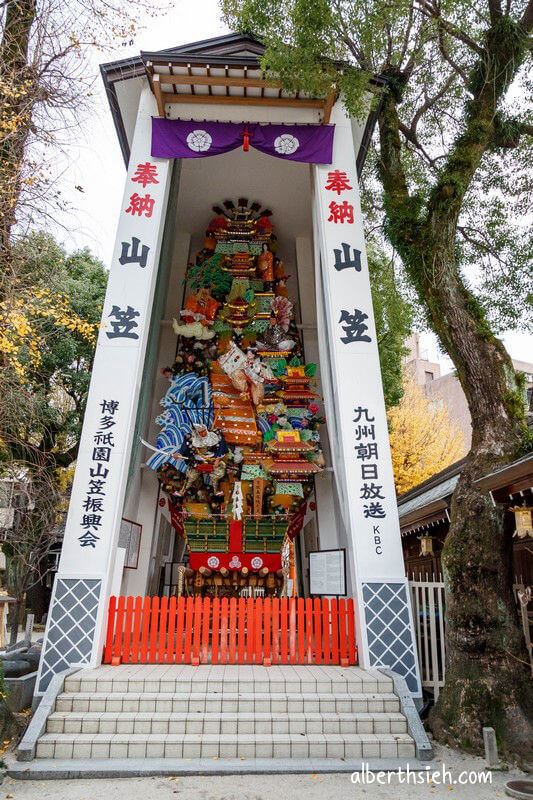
361, 459
76, 620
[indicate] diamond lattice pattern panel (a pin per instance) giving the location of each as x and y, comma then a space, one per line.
72, 624
389, 631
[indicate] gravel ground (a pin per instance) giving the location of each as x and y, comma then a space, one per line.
267, 787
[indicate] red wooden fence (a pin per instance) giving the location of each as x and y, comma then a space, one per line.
245, 631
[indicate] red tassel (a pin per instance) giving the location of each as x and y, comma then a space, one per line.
246, 139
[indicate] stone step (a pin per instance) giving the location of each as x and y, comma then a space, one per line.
226, 723
232, 702
234, 682
67, 746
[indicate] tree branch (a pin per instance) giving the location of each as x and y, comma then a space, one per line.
66, 458
495, 10
527, 17
447, 57
389, 44
411, 136
431, 12
430, 101
408, 29
400, 206
464, 231
491, 76
355, 50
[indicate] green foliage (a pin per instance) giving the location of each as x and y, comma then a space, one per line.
210, 275
42, 406
47, 408
279, 366
394, 317
432, 58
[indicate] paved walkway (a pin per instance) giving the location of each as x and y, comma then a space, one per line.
265, 787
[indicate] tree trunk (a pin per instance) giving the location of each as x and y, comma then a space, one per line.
487, 681
14, 619
17, 99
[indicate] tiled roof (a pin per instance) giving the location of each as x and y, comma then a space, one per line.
437, 492
443, 484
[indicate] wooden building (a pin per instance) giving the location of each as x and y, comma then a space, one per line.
425, 517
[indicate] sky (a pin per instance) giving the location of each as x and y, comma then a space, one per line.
94, 161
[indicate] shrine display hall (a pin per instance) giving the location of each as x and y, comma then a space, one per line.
233, 500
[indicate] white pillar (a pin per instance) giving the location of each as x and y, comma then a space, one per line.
78, 609
356, 416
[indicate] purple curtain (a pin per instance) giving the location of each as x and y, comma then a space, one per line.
176, 138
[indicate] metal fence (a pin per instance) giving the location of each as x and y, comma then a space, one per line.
429, 611
427, 597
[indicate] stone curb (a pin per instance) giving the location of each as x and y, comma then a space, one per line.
424, 750
76, 769
37, 726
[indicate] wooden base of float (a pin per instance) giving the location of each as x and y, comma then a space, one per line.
233, 583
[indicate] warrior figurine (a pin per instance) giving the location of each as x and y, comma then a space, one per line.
203, 451
257, 373
275, 337
246, 372
200, 307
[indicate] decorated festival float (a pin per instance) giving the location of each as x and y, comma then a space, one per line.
239, 444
